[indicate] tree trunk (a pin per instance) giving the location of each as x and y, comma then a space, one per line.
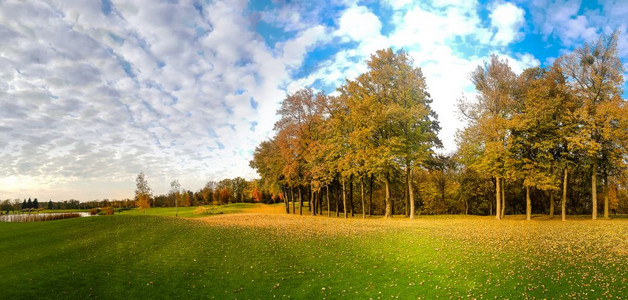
285, 200
564, 201
292, 196
337, 202
362, 195
497, 202
371, 196
594, 189
300, 202
344, 197
320, 203
351, 194
605, 196
406, 194
387, 200
528, 204
327, 195
551, 214
490, 208
466, 206
312, 201
503, 188
411, 194
309, 200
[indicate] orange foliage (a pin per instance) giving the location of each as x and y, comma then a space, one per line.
224, 196
257, 195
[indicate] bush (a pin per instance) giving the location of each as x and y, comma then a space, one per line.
206, 210
94, 211
108, 210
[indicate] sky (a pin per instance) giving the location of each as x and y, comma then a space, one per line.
94, 92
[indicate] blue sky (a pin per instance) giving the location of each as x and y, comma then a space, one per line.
93, 92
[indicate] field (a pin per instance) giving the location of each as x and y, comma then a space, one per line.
188, 212
261, 253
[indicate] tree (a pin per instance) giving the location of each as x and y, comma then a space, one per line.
208, 192
187, 198
142, 192
269, 163
297, 135
35, 204
6, 206
225, 192
388, 106
175, 188
225, 195
596, 77
535, 142
238, 186
488, 130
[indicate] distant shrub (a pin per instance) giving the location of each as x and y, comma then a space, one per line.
94, 211
108, 210
206, 210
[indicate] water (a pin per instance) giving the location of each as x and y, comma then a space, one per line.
36, 217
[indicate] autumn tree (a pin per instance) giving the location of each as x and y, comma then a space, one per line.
297, 130
207, 192
269, 163
535, 132
142, 192
488, 130
595, 75
389, 107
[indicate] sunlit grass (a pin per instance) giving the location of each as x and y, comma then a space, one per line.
265, 256
188, 212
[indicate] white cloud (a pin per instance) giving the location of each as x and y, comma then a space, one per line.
562, 19
507, 19
358, 23
90, 98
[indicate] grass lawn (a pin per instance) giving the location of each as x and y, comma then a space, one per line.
264, 256
188, 212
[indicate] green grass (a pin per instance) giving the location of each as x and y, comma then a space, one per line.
188, 212
146, 257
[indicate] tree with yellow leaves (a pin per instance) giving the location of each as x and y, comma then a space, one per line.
595, 74
142, 192
489, 119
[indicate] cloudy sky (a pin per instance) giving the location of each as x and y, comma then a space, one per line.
94, 91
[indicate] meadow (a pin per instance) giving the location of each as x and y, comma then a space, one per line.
256, 252
189, 212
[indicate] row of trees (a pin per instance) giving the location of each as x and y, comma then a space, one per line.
15, 204
535, 128
214, 192
379, 128
527, 132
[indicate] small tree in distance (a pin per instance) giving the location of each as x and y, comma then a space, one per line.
174, 189
142, 192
